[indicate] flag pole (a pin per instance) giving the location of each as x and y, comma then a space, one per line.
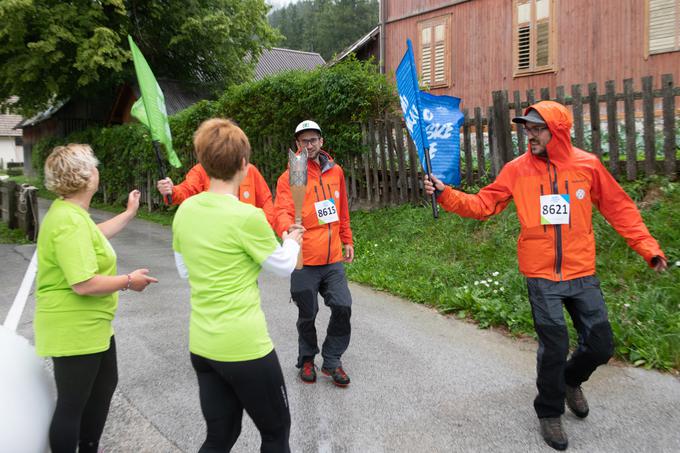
428, 162
161, 169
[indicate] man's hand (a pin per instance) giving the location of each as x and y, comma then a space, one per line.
133, 202
660, 264
295, 234
165, 186
430, 186
295, 226
348, 257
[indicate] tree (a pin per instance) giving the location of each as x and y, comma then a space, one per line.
325, 26
52, 50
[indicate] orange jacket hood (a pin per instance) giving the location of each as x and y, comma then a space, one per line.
559, 120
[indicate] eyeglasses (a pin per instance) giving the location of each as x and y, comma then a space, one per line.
311, 141
534, 131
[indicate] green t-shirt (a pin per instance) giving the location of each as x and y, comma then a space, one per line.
71, 249
223, 243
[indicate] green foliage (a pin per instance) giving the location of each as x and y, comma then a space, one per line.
51, 50
324, 26
268, 110
469, 268
8, 236
336, 97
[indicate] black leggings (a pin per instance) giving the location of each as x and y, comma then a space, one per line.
226, 388
85, 385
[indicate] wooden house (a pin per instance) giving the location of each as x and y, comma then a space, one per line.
469, 48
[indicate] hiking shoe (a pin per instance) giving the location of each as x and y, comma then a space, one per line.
338, 375
576, 401
308, 373
553, 433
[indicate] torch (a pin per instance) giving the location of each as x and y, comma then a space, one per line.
297, 170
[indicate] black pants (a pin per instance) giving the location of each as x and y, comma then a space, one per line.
329, 281
85, 385
226, 388
583, 300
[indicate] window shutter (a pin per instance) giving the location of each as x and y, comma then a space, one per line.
439, 54
543, 44
524, 47
663, 25
426, 65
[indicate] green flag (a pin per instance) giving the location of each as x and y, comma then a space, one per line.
150, 107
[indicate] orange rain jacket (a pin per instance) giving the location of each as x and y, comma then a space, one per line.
322, 243
253, 189
557, 252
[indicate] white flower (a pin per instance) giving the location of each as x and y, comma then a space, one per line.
486, 284
495, 274
496, 283
502, 289
375, 245
465, 287
495, 291
677, 263
626, 305
476, 282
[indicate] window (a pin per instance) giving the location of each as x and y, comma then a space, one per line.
434, 52
533, 36
663, 25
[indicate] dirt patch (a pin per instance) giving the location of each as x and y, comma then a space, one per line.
653, 195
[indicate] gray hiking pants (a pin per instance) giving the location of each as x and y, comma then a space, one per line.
583, 300
329, 281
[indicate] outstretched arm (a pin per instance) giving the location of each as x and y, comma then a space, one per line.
114, 226
620, 211
489, 201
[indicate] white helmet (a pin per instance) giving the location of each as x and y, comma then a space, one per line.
307, 125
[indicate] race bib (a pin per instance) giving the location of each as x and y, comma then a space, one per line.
326, 211
555, 209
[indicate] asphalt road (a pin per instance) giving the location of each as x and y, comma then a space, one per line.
421, 382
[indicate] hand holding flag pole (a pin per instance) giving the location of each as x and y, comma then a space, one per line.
150, 110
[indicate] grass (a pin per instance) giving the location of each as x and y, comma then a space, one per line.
8, 236
469, 268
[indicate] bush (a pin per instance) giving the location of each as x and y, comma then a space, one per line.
337, 97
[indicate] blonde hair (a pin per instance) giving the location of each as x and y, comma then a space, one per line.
221, 146
68, 169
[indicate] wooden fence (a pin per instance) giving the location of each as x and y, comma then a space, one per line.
634, 132
608, 124
19, 207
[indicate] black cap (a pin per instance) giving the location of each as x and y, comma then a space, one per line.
531, 117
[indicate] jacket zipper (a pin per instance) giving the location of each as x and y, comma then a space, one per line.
558, 228
545, 228
328, 257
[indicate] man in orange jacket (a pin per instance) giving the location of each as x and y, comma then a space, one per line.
326, 243
554, 186
253, 190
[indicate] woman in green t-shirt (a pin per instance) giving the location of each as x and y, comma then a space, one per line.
77, 296
221, 245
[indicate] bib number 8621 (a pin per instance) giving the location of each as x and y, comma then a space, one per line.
554, 209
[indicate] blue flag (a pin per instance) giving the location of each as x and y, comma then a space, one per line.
409, 97
432, 121
443, 119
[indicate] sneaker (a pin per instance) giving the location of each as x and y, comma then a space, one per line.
576, 401
553, 433
339, 376
308, 373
